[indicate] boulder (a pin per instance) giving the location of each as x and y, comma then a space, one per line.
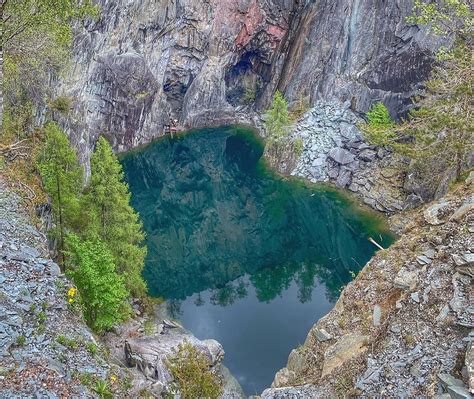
463, 210
377, 315
303, 391
341, 156
349, 131
322, 335
345, 349
405, 279
431, 214
469, 362
368, 155
296, 361
283, 378
464, 263
344, 178
148, 354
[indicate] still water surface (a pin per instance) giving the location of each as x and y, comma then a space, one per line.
242, 255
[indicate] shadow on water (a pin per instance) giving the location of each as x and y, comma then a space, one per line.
244, 256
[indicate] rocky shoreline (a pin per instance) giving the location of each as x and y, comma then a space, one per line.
404, 326
46, 349
45, 346
334, 150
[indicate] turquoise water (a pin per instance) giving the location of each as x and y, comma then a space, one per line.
242, 255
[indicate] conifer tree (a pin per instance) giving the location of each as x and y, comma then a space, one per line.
278, 118
112, 219
438, 135
102, 290
62, 179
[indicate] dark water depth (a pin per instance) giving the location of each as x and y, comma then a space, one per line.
243, 256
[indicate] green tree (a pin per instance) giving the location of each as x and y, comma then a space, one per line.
438, 135
62, 180
277, 118
36, 35
192, 376
444, 17
113, 219
277, 125
102, 291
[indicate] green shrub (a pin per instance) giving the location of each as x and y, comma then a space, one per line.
62, 104
102, 291
191, 373
91, 348
298, 147
379, 117
249, 95
101, 387
277, 118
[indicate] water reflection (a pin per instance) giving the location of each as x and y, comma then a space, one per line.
231, 244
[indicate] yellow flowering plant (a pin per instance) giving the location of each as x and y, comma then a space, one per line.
71, 295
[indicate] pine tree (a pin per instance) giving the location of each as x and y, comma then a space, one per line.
438, 135
62, 179
112, 219
102, 291
278, 118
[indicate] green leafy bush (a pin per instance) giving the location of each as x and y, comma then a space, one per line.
61, 104
378, 116
102, 290
298, 147
191, 373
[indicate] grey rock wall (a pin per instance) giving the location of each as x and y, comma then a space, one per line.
149, 64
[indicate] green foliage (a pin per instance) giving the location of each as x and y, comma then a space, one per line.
101, 387
277, 119
191, 373
92, 348
249, 95
378, 130
277, 126
439, 135
378, 116
62, 179
71, 343
444, 17
298, 147
103, 293
62, 104
20, 340
36, 38
111, 217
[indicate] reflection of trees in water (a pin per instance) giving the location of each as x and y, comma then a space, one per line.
174, 308
271, 282
229, 293
219, 214
199, 301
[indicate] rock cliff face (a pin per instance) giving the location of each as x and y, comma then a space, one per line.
149, 65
